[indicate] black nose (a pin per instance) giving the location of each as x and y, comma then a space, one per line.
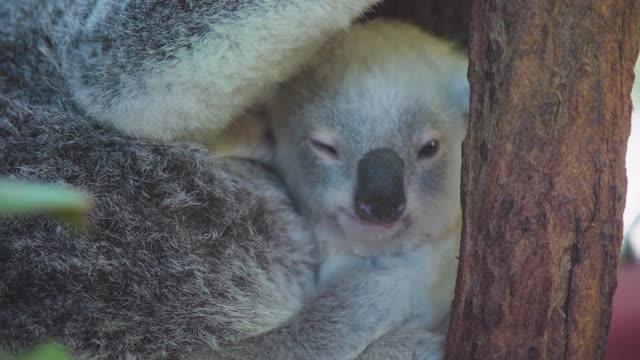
379, 196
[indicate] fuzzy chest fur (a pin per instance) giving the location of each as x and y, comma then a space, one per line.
434, 265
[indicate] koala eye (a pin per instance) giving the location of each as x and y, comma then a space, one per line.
323, 149
429, 150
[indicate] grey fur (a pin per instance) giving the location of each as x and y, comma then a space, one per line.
178, 247
168, 69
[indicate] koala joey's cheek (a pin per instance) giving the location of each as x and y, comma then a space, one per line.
336, 199
432, 180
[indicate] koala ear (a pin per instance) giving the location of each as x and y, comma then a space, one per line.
459, 95
247, 137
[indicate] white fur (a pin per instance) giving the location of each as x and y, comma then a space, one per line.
208, 86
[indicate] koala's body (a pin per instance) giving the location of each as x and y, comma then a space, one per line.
185, 256
368, 140
177, 70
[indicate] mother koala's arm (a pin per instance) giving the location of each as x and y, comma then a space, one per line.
168, 69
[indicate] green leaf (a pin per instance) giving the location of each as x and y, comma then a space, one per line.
47, 351
65, 204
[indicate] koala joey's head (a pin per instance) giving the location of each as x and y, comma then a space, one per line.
368, 138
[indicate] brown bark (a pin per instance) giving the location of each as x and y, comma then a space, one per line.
543, 177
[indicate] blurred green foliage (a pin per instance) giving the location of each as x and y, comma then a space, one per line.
48, 351
68, 205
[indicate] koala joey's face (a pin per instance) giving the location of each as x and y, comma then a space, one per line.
374, 172
368, 139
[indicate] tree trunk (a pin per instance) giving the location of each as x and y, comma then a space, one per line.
543, 177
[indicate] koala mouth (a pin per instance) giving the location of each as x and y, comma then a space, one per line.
352, 217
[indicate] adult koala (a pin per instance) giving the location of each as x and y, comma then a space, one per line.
186, 256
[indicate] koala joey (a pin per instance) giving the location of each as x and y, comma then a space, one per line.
367, 139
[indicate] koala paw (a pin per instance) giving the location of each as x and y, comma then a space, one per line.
426, 346
408, 273
405, 344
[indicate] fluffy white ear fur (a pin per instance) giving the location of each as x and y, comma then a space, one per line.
459, 93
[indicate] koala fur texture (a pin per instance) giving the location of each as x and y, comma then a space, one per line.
368, 140
186, 256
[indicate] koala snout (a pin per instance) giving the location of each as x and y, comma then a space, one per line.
379, 195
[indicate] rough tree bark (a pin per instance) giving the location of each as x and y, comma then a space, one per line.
543, 177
